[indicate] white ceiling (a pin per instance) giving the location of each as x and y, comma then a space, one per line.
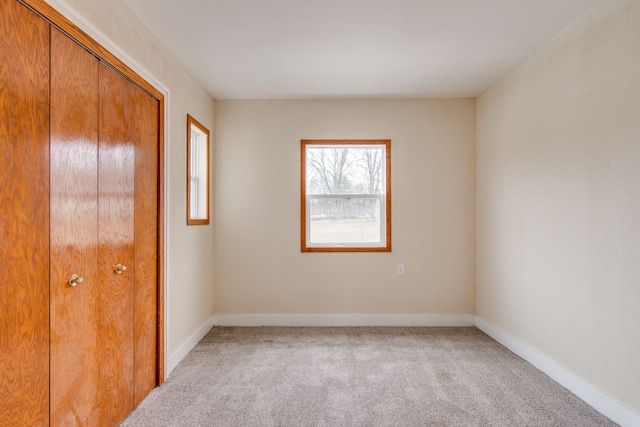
271, 49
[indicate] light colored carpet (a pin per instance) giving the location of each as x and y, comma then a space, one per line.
358, 377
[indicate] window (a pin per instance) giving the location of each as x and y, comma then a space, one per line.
197, 173
345, 196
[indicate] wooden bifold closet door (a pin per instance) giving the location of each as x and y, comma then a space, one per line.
74, 234
79, 196
24, 217
103, 228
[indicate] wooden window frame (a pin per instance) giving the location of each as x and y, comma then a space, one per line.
304, 197
198, 220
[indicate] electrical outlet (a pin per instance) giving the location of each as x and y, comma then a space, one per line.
400, 269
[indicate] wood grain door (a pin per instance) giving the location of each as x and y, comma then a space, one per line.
74, 233
116, 202
24, 217
79, 159
146, 245
104, 170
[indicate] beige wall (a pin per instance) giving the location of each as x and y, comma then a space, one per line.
558, 212
189, 249
257, 209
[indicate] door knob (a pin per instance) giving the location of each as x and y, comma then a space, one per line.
120, 269
75, 280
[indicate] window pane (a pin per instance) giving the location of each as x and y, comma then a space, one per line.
340, 220
195, 152
345, 203
193, 206
345, 170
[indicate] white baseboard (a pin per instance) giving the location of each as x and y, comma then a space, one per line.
188, 345
345, 320
595, 398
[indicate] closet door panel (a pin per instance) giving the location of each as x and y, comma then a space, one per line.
74, 233
146, 244
24, 217
116, 244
